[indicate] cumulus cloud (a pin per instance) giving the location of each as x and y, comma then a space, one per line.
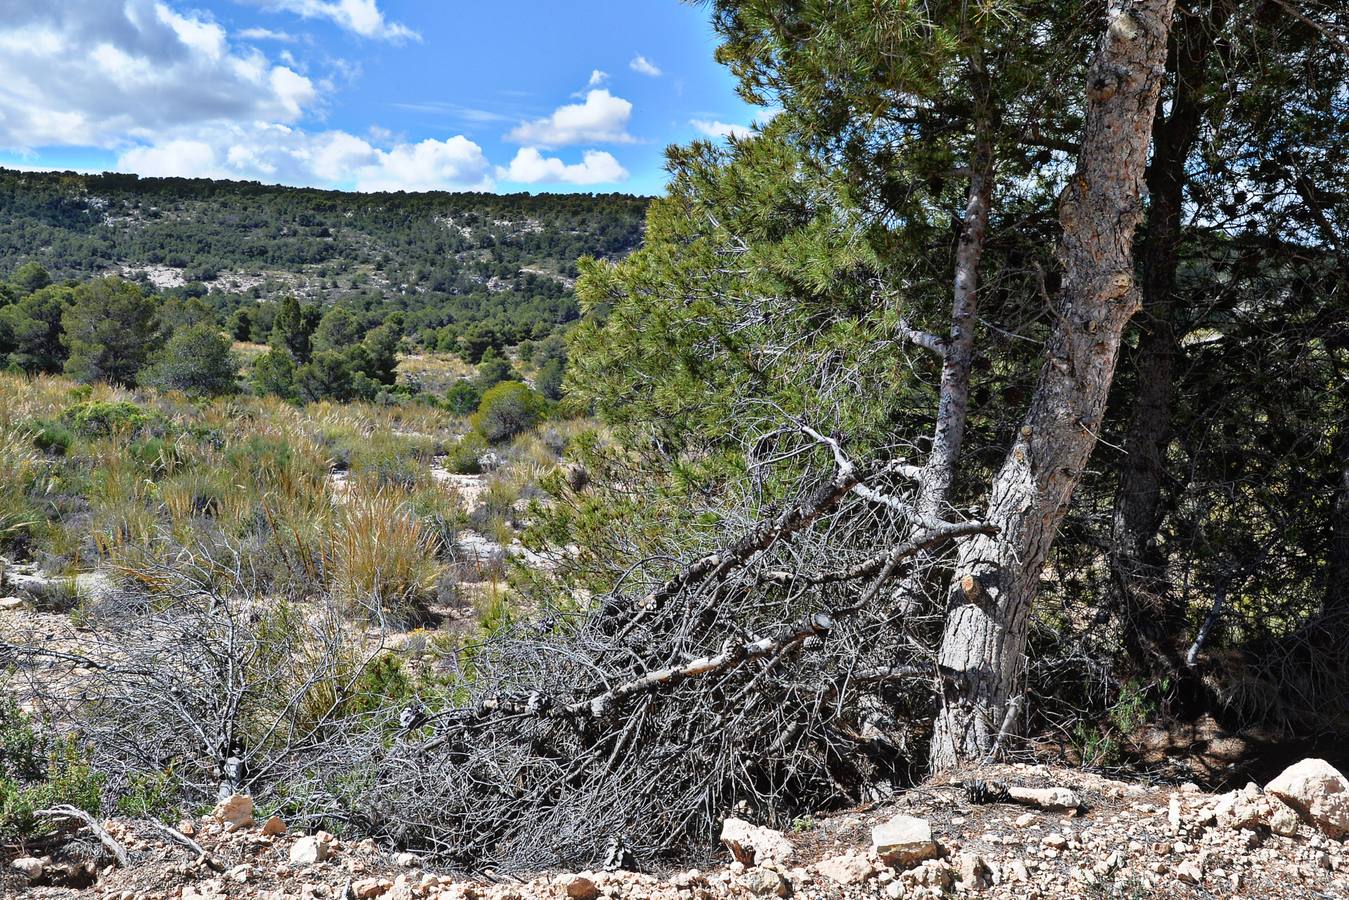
598, 78
643, 66
362, 17
279, 153
532, 167
721, 129
601, 118
99, 74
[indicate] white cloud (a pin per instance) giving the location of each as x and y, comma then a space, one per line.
532, 167
266, 34
362, 17
598, 78
643, 66
143, 70
181, 158
338, 159
721, 129
602, 118
428, 166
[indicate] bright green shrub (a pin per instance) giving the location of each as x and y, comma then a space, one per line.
508, 409
100, 418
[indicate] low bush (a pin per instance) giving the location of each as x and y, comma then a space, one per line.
39, 770
100, 418
507, 410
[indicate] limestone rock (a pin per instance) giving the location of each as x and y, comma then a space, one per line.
273, 826
904, 841
28, 867
314, 848
8, 604
765, 883
371, 887
847, 869
1189, 873
1318, 791
974, 872
754, 845
234, 812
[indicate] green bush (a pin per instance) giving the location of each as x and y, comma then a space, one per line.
198, 361
52, 437
465, 457
463, 398
39, 770
99, 418
151, 794
507, 410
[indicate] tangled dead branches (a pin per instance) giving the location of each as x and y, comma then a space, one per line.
761, 676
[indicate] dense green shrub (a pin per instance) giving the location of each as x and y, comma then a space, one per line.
465, 457
100, 418
463, 398
52, 437
198, 361
508, 409
39, 770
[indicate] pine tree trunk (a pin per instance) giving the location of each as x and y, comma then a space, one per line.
958, 349
1154, 629
983, 646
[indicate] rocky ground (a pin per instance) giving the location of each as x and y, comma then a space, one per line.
1052, 833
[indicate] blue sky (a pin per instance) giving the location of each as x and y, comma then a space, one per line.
505, 95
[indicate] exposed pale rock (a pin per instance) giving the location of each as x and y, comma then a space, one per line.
8, 604
765, 883
903, 841
1045, 798
371, 887
406, 860
974, 872
753, 845
273, 826
1318, 791
311, 849
234, 812
1189, 872
849, 868
28, 867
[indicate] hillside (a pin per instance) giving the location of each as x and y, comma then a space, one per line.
441, 258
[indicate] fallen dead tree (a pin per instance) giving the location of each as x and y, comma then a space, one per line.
760, 676
755, 677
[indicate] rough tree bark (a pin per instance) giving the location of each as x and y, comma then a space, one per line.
1154, 630
957, 350
983, 644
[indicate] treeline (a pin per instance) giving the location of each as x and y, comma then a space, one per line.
480, 269
112, 330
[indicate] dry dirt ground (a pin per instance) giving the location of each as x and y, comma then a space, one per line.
1127, 839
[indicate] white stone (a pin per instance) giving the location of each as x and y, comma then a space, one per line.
753, 845
1317, 790
847, 869
28, 867
311, 849
903, 841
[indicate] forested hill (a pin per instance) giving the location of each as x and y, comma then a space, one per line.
442, 258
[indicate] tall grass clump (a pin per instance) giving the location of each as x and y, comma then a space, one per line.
381, 554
